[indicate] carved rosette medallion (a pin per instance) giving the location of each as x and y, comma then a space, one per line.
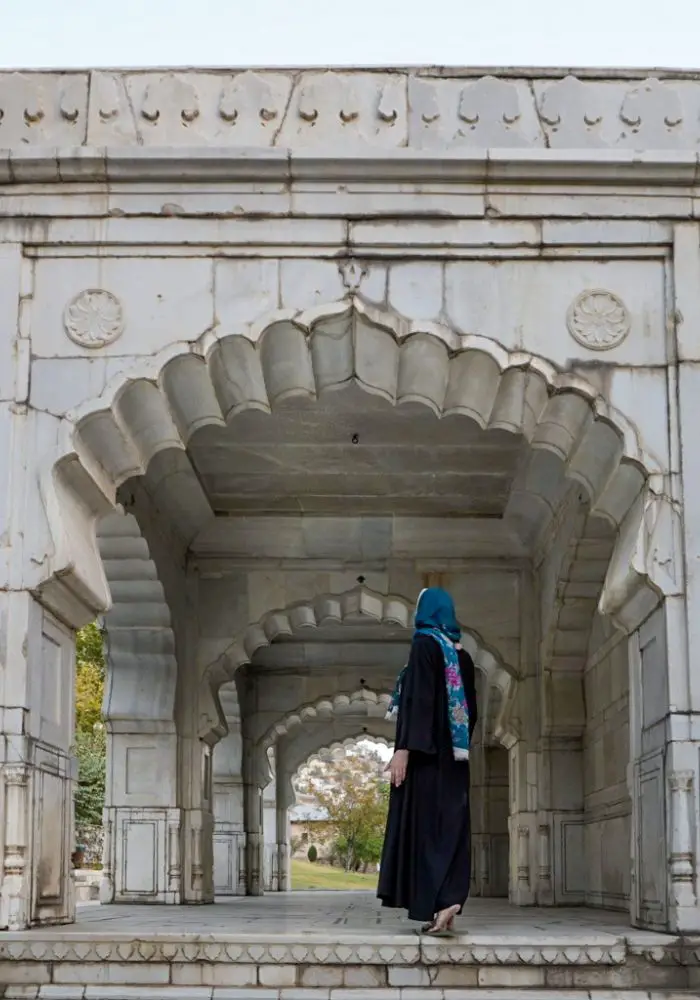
94, 318
598, 319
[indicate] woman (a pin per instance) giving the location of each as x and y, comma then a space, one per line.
426, 858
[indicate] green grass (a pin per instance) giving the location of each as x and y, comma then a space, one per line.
315, 876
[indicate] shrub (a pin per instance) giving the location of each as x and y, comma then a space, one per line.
312, 854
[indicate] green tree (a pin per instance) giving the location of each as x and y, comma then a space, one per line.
90, 738
90, 749
353, 792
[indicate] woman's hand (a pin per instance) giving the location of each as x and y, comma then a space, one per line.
397, 767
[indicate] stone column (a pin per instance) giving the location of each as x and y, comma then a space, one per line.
229, 835
271, 857
284, 797
253, 811
37, 770
522, 791
142, 819
682, 859
665, 649
195, 760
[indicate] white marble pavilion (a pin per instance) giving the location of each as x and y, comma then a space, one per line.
278, 348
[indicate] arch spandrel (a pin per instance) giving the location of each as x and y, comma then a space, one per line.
291, 357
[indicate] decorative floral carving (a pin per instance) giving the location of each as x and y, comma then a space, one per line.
170, 92
572, 112
72, 100
598, 319
488, 95
387, 108
94, 318
107, 88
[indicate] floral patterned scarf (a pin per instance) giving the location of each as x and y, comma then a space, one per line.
435, 616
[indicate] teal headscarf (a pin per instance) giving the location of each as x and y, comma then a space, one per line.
435, 616
436, 611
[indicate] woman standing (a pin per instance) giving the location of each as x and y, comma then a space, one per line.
426, 861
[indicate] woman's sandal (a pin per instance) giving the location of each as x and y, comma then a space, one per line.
443, 924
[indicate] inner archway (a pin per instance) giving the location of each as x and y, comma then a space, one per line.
340, 788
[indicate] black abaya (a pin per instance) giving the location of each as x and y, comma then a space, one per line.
426, 861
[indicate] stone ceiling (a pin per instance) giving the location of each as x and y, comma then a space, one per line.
355, 456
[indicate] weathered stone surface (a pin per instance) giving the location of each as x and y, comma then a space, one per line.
279, 349
383, 110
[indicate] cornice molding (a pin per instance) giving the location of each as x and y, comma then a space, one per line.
38, 165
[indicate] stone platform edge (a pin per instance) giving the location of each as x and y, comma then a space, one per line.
346, 949
121, 966
55, 965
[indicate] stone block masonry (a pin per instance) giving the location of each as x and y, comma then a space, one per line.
277, 347
228, 956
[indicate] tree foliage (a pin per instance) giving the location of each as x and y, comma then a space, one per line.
90, 739
354, 793
89, 678
89, 798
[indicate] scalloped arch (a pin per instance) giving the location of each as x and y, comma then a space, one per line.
356, 606
146, 417
341, 744
361, 704
327, 739
163, 400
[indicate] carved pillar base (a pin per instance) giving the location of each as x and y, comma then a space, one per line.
198, 856
255, 841
142, 855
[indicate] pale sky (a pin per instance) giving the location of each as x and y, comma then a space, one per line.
231, 33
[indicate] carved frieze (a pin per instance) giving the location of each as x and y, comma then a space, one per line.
652, 112
384, 109
573, 113
42, 109
248, 95
491, 110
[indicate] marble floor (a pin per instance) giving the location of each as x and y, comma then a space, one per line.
338, 913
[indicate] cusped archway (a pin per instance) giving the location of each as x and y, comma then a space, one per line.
333, 735
361, 704
359, 606
147, 419
353, 709
380, 620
